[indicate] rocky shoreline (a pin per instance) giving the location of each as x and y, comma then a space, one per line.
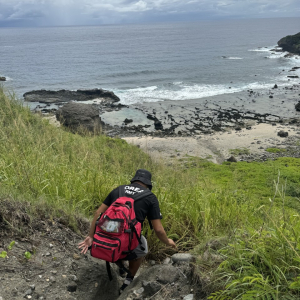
173, 118
208, 118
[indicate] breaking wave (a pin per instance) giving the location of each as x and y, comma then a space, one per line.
181, 91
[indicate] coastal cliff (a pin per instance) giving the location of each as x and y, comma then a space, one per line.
290, 43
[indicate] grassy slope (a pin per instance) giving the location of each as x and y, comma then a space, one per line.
199, 200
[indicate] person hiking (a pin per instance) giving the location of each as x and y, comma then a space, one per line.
148, 207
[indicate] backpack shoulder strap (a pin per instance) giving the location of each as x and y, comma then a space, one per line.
141, 195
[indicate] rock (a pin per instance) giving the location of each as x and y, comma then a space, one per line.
76, 256
282, 133
150, 288
72, 287
275, 86
271, 96
297, 106
152, 262
78, 115
140, 291
182, 257
158, 125
2, 78
167, 274
61, 96
74, 278
167, 260
28, 292
127, 121
232, 159
188, 297
290, 43
293, 76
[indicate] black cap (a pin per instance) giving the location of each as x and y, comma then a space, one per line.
143, 176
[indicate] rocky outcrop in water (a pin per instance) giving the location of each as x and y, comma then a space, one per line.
78, 116
61, 96
2, 78
290, 43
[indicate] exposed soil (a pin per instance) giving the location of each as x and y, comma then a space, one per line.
54, 268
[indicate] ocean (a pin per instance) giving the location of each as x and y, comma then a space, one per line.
149, 62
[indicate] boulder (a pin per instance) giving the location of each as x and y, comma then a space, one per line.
2, 78
127, 121
290, 43
297, 106
282, 133
79, 115
158, 125
232, 159
44, 96
182, 257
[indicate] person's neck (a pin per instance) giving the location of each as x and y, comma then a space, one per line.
142, 184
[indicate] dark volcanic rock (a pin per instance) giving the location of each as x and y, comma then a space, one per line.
232, 159
282, 133
44, 96
2, 79
297, 106
290, 43
75, 115
127, 121
158, 125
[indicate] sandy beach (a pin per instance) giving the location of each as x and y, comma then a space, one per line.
216, 147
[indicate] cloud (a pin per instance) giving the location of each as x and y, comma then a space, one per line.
92, 12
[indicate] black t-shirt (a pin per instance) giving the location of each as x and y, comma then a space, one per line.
145, 207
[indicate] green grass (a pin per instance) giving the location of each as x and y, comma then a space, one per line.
239, 151
254, 205
275, 150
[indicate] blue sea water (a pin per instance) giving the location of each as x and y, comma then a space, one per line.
149, 62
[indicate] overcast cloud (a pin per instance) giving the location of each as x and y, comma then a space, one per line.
95, 12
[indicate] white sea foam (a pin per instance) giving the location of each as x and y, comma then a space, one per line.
186, 92
234, 57
264, 49
7, 78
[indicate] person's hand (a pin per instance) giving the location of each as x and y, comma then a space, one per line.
172, 243
85, 244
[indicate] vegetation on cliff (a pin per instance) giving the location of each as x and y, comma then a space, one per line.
290, 43
252, 207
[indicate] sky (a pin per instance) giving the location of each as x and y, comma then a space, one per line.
96, 12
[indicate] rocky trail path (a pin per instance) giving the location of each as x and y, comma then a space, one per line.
39, 260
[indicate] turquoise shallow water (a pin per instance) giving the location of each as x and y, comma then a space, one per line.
149, 62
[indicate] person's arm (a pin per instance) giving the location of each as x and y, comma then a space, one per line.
161, 234
89, 239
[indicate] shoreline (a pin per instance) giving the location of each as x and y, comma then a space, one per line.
205, 115
245, 145
213, 128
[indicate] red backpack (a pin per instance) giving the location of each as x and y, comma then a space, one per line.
117, 231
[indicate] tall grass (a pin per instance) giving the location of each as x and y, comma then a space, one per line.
199, 200
69, 170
